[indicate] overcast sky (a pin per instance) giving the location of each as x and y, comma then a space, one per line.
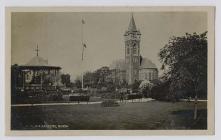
58, 36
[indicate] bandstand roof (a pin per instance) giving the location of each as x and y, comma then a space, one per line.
38, 62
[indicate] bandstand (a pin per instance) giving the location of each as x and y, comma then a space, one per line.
36, 75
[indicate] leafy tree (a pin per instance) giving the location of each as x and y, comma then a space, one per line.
160, 91
184, 61
101, 75
145, 88
98, 79
65, 79
89, 79
78, 83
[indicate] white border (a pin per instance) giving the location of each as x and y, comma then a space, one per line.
217, 3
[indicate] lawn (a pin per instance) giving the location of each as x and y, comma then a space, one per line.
128, 116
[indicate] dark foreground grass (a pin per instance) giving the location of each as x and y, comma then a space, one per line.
130, 116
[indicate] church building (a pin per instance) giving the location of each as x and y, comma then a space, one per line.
135, 67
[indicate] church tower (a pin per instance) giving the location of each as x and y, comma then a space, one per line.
132, 51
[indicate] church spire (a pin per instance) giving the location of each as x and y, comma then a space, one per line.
132, 26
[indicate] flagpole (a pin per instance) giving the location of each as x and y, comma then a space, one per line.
82, 58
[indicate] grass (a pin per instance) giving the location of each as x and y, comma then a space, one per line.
130, 116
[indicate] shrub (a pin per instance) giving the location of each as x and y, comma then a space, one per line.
109, 103
80, 98
134, 96
161, 92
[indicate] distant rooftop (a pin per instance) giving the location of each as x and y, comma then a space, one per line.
145, 64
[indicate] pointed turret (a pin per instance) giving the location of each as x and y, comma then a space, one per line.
132, 26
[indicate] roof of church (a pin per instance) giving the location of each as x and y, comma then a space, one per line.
37, 61
147, 64
132, 25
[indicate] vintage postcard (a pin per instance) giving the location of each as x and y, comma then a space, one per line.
110, 71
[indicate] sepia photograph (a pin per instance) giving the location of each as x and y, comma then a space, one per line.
111, 69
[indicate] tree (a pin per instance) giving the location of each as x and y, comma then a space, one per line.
101, 76
184, 61
89, 79
160, 91
78, 83
65, 79
145, 88
98, 79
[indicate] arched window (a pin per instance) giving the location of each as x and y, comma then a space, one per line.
134, 50
150, 76
128, 50
146, 76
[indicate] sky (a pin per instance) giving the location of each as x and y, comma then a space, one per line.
58, 36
